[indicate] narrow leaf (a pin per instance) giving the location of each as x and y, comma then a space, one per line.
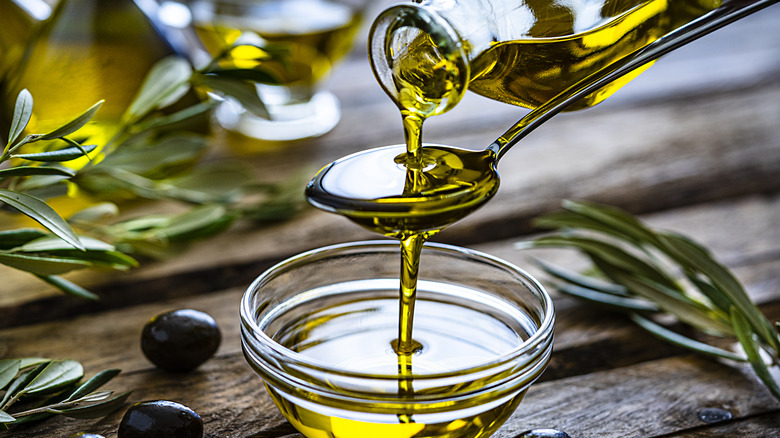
57, 374
51, 243
41, 213
22, 113
68, 287
96, 410
580, 279
5, 418
616, 221
13, 238
94, 383
20, 382
170, 121
74, 125
745, 336
64, 154
42, 265
698, 258
242, 91
166, 80
9, 368
36, 170
686, 311
615, 301
683, 341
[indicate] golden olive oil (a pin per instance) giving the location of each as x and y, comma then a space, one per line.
312, 35
354, 331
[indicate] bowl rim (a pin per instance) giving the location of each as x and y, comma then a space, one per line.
543, 333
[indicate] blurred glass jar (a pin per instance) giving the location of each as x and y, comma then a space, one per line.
312, 36
87, 51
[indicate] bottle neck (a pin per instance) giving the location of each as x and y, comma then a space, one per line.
414, 50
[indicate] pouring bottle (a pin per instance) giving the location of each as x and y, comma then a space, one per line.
523, 52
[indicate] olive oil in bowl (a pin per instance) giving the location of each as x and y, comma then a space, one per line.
320, 329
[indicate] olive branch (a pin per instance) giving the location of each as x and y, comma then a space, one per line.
647, 273
52, 387
157, 153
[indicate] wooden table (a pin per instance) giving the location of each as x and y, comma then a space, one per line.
692, 145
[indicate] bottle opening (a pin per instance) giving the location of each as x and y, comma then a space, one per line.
419, 60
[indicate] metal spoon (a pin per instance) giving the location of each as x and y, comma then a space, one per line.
369, 187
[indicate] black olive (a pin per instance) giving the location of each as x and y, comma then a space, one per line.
180, 340
160, 419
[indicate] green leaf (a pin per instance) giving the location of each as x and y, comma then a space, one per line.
160, 158
96, 410
56, 375
196, 221
13, 238
51, 243
5, 418
683, 341
166, 82
581, 280
20, 382
616, 222
42, 265
74, 125
614, 301
242, 91
68, 287
699, 259
95, 213
752, 349
41, 213
59, 155
33, 361
36, 170
94, 383
609, 254
685, 310
172, 121
22, 113
9, 368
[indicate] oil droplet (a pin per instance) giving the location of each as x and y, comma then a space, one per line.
543, 433
714, 415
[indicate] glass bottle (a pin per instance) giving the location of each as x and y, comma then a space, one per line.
523, 52
88, 50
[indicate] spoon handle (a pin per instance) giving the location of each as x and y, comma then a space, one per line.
730, 11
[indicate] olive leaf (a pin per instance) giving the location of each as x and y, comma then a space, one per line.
36, 170
8, 370
50, 387
64, 154
74, 125
243, 91
646, 272
39, 211
166, 82
21, 117
68, 287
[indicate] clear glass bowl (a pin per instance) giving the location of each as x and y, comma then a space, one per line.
317, 329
